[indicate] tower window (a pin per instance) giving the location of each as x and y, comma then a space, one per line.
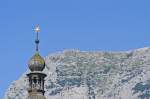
34, 80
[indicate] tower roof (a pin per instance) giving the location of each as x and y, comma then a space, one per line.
36, 63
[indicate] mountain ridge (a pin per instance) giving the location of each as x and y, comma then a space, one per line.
74, 74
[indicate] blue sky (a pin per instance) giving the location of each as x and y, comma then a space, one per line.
107, 25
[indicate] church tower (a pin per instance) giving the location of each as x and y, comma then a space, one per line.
36, 76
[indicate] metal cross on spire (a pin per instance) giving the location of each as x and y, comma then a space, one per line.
37, 41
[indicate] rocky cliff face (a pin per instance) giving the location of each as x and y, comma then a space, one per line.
92, 75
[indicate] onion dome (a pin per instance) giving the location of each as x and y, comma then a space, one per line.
36, 63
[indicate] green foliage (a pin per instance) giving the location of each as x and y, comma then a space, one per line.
144, 89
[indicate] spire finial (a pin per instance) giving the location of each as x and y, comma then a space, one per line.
37, 41
37, 29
